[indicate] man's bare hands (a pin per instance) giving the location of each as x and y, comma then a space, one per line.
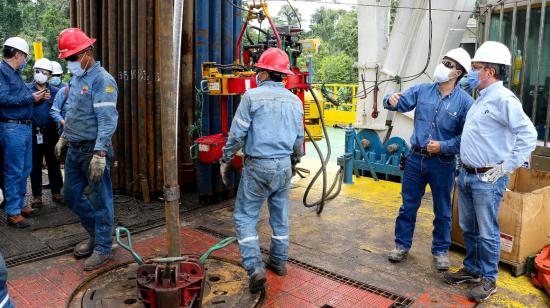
394, 98
434, 147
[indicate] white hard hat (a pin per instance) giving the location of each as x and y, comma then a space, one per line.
461, 56
44, 64
18, 43
56, 68
493, 52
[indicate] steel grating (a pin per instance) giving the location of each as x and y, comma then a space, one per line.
399, 300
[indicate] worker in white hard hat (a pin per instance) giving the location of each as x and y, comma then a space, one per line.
16, 108
440, 112
497, 138
45, 135
57, 75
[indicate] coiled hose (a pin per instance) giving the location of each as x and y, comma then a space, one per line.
326, 195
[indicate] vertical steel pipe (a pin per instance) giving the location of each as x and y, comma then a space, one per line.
142, 98
227, 57
86, 16
501, 22
121, 131
157, 112
169, 124
525, 49
539, 54
547, 123
187, 97
133, 95
487, 27
215, 37
72, 13
112, 49
127, 117
150, 80
202, 16
512, 41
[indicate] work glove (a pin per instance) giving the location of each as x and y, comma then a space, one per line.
97, 167
494, 174
224, 171
60, 147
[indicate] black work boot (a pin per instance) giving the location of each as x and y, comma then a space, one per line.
257, 281
96, 260
84, 249
460, 277
277, 266
482, 292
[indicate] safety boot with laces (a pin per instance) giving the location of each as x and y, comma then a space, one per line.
460, 277
482, 292
277, 266
397, 254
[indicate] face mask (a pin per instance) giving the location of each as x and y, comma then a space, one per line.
55, 81
22, 66
441, 73
75, 68
258, 81
473, 79
40, 78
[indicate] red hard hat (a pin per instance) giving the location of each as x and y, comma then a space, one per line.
72, 41
274, 59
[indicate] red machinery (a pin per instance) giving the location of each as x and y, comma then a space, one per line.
542, 265
235, 79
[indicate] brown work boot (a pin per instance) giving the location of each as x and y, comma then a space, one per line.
57, 197
28, 211
18, 221
36, 202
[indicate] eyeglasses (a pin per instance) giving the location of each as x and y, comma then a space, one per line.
448, 64
76, 57
41, 71
477, 67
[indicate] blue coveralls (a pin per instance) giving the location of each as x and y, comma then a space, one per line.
16, 106
44, 138
5, 301
440, 119
90, 122
268, 124
59, 107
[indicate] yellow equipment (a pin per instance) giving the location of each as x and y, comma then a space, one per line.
38, 51
342, 113
312, 116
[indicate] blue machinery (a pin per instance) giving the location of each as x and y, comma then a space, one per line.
366, 155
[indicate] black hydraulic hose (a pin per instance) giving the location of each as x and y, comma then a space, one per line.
326, 195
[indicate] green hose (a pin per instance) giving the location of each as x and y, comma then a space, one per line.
223, 243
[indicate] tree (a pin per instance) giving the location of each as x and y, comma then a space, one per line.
337, 69
345, 35
288, 16
323, 23
10, 18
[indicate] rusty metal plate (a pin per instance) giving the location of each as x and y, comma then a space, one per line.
226, 285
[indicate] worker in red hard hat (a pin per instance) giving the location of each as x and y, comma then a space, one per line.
268, 126
90, 123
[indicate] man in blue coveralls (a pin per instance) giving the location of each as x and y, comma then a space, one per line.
90, 123
44, 136
268, 125
5, 301
498, 137
16, 105
440, 111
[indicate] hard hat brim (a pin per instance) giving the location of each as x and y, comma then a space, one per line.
282, 70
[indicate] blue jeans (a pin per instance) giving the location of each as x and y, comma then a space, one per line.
16, 141
438, 172
263, 179
5, 301
91, 201
478, 204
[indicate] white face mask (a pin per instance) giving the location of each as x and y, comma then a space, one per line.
40, 78
441, 73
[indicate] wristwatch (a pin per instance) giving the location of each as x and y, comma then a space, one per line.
101, 153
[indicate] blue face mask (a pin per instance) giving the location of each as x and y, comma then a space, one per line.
55, 81
75, 68
473, 81
258, 81
22, 66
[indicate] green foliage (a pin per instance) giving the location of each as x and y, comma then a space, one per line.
10, 18
337, 69
287, 16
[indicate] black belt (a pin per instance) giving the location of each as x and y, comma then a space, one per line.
423, 151
27, 122
472, 170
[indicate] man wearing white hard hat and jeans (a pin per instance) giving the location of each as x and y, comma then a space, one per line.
497, 138
16, 108
440, 111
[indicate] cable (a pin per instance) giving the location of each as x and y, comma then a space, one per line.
326, 195
296, 14
240, 8
380, 6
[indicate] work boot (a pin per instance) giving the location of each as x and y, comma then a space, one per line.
28, 211
57, 198
482, 292
36, 202
257, 281
277, 266
96, 260
397, 254
460, 277
18, 221
84, 249
441, 262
